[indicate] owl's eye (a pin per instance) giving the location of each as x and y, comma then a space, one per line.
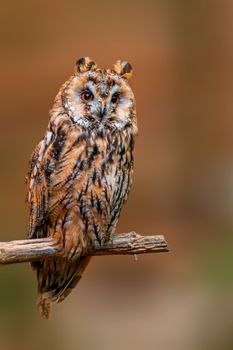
115, 98
87, 96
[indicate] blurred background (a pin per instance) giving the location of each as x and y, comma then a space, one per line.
181, 52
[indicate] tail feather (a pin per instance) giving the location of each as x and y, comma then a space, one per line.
74, 279
56, 279
44, 306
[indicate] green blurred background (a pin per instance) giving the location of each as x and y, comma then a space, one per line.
181, 52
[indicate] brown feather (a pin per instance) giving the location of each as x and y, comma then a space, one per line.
80, 175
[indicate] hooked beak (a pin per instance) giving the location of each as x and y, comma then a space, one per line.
102, 112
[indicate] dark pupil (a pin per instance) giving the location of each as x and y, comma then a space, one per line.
114, 98
87, 95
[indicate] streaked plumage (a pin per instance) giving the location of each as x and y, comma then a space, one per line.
81, 172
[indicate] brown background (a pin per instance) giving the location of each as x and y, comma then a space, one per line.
181, 52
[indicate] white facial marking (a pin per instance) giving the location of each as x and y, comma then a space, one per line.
119, 124
81, 121
115, 89
103, 88
70, 106
91, 87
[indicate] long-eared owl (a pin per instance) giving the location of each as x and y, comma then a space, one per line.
80, 173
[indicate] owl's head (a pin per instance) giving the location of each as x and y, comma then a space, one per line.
96, 97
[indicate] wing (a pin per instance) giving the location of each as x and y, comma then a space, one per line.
37, 193
48, 171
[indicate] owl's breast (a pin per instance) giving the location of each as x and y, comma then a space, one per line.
91, 179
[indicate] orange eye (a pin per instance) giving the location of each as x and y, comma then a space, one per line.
87, 96
115, 98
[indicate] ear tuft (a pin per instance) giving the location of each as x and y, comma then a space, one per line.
123, 68
85, 64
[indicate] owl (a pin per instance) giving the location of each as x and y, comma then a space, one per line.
80, 173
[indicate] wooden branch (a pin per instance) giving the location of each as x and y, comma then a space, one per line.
44, 248
130, 243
